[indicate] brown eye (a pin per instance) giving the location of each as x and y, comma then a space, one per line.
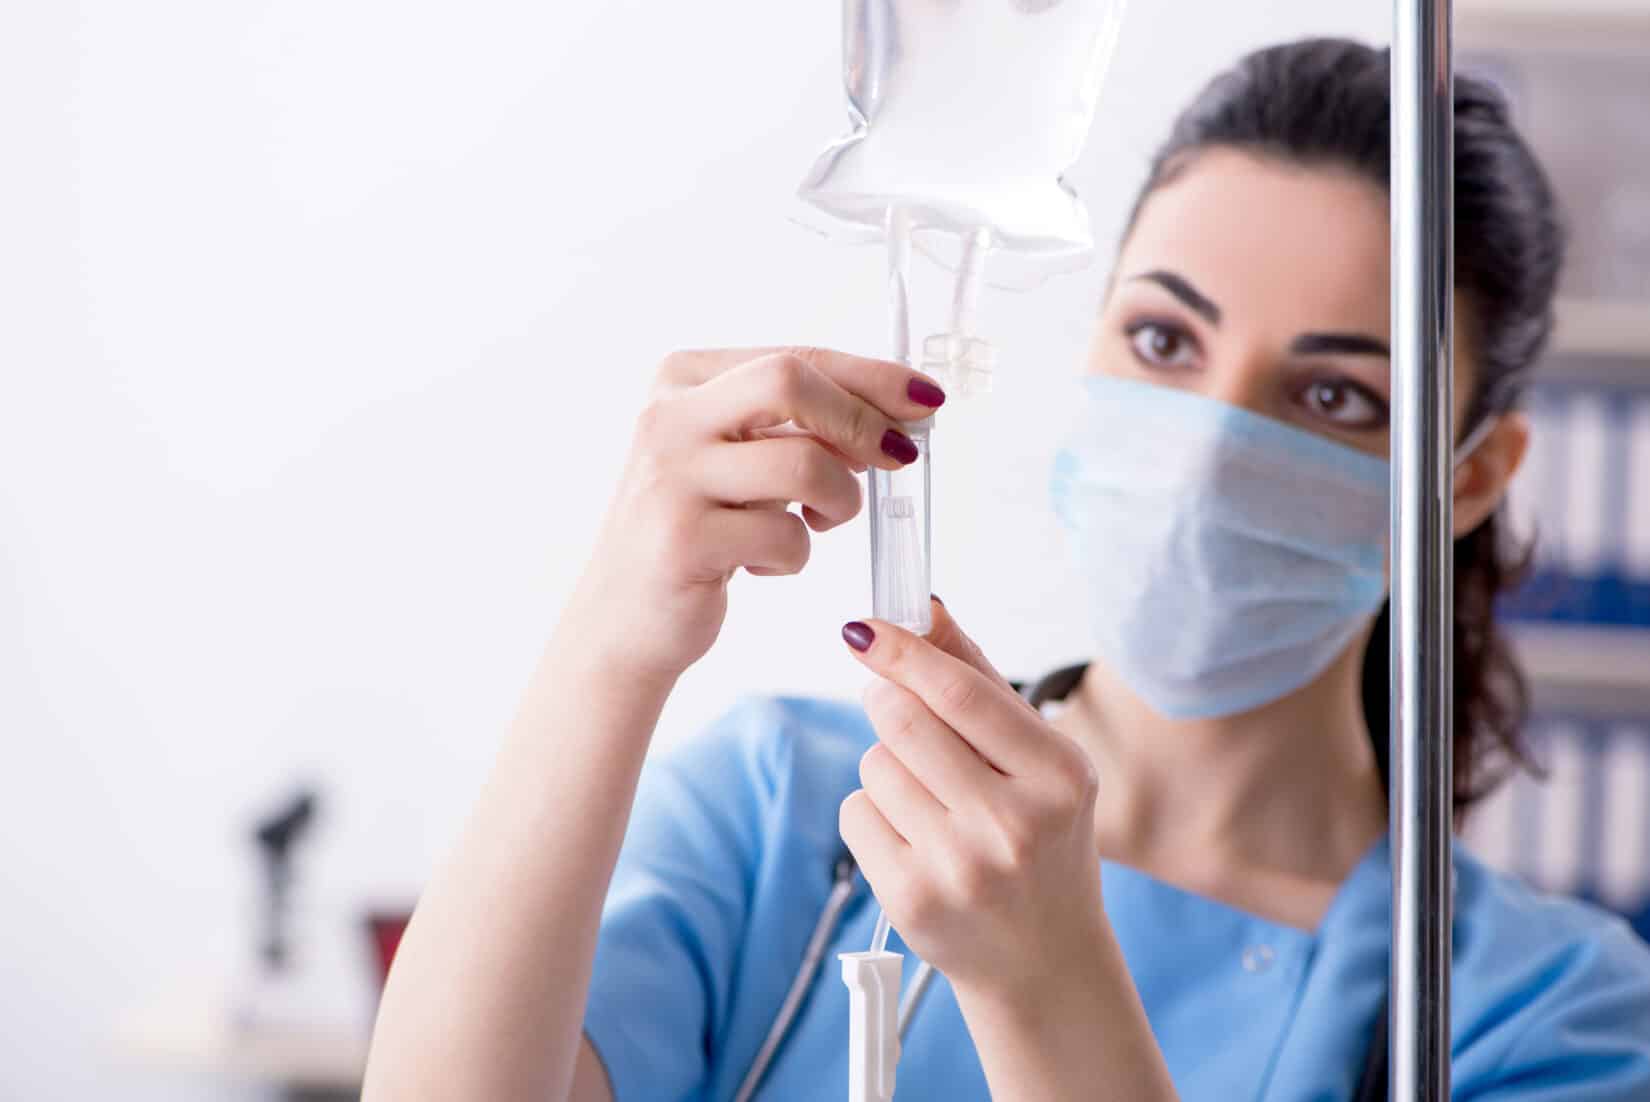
1161, 345
1345, 404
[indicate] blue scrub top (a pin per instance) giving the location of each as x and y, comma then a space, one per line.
729, 858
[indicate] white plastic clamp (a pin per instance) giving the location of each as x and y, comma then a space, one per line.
873, 980
963, 365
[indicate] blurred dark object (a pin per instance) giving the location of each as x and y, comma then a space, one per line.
276, 837
385, 929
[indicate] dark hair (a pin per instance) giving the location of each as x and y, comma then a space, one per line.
1327, 102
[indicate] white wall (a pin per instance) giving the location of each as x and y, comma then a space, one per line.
322, 325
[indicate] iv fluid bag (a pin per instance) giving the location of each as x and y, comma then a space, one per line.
966, 114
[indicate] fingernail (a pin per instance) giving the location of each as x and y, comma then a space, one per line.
897, 445
859, 636
925, 393
937, 600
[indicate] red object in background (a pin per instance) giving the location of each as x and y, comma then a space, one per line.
386, 929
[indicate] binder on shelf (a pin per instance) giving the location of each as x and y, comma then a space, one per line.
1624, 856
1636, 533
1584, 496
1584, 829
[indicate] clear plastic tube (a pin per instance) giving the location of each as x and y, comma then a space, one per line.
898, 236
899, 500
960, 360
879, 936
966, 293
900, 532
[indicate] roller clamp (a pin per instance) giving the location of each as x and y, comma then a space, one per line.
963, 365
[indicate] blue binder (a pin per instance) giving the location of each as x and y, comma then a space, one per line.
1586, 487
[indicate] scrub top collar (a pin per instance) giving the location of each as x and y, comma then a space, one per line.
1363, 896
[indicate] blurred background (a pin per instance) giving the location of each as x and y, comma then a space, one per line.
322, 329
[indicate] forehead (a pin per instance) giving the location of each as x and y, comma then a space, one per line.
1272, 243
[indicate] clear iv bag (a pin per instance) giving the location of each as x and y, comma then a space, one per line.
966, 114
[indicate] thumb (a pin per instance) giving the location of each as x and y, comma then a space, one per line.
948, 637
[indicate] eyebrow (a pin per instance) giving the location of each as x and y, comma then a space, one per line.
1182, 289
1307, 344
1339, 344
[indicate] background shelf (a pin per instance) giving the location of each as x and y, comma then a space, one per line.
1583, 667
1546, 23
1605, 329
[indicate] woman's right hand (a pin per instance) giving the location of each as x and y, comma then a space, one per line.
729, 440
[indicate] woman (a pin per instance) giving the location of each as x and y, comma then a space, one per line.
1174, 886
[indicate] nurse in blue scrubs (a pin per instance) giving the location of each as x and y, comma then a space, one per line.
1164, 877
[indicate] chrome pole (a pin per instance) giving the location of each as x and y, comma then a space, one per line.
1423, 247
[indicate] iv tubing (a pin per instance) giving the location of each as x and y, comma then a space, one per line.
966, 294
899, 333
899, 283
879, 936
899, 499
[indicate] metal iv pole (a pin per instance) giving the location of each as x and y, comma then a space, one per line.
1423, 247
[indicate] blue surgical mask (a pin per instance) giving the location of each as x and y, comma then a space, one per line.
1229, 558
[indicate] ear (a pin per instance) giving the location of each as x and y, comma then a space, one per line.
1481, 480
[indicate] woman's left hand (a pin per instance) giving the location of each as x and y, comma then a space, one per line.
975, 825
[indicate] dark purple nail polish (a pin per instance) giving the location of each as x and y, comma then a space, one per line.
897, 445
937, 600
859, 636
925, 393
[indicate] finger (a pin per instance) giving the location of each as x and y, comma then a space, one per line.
907, 806
776, 507
697, 366
784, 389
773, 390
903, 394
940, 759
877, 847
763, 541
690, 367
811, 517
950, 638
997, 726
782, 469
814, 520
898, 391
792, 430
